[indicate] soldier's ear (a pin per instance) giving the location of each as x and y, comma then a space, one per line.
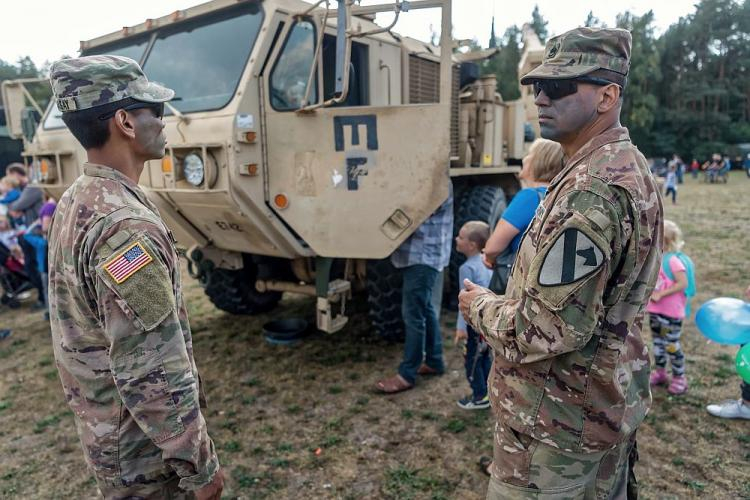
609, 97
123, 124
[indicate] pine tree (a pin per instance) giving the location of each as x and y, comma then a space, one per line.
592, 21
493, 38
539, 24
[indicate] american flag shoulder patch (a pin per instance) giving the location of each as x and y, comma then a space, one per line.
128, 262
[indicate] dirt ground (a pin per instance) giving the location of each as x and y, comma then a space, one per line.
302, 421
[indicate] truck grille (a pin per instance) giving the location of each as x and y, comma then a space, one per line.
424, 87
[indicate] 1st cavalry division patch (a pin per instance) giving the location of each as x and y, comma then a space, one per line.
572, 257
127, 262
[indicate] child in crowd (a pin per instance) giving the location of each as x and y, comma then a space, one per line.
667, 309
670, 184
10, 189
477, 355
9, 239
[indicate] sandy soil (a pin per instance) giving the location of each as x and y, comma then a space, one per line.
302, 422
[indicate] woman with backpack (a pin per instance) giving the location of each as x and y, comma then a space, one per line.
543, 162
669, 305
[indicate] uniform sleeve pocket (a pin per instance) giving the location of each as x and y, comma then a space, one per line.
136, 273
573, 259
142, 382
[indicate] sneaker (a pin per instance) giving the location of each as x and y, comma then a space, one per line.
678, 385
658, 377
474, 404
731, 408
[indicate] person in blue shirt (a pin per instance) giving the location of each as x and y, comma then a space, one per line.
540, 166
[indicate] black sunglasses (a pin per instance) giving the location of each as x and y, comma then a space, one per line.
156, 107
557, 89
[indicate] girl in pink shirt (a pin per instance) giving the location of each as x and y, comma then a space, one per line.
667, 310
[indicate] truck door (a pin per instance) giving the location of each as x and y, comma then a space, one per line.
352, 180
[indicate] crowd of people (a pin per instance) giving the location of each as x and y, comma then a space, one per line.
714, 170
25, 216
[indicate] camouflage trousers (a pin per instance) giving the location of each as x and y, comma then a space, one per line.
167, 490
524, 468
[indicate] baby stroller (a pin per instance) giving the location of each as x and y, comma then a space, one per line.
723, 174
13, 279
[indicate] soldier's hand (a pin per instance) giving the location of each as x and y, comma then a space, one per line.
212, 491
467, 296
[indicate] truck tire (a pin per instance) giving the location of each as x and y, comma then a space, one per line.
480, 202
234, 291
384, 284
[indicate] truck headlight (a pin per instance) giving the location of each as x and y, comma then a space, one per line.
192, 167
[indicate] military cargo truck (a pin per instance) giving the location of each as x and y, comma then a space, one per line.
305, 144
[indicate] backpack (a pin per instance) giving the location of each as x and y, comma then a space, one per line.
689, 274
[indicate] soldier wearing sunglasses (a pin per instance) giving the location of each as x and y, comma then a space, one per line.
569, 383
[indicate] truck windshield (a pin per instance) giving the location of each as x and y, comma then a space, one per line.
201, 59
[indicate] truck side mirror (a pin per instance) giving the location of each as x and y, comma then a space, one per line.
20, 118
15, 102
29, 122
342, 56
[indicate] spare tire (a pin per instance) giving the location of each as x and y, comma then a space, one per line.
233, 290
480, 202
384, 287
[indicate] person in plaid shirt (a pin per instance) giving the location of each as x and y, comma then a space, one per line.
421, 259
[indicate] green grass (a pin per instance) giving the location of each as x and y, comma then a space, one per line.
724, 372
404, 483
294, 409
281, 463
724, 358
334, 424
252, 382
696, 486
233, 446
455, 425
332, 440
48, 421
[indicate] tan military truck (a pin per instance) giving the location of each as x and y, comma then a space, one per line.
305, 144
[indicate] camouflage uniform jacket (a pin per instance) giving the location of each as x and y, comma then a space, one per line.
121, 336
571, 368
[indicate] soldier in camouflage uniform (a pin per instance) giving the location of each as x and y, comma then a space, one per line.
120, 329
570, 378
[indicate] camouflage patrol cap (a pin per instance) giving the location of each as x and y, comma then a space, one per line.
582, 51
90, 81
